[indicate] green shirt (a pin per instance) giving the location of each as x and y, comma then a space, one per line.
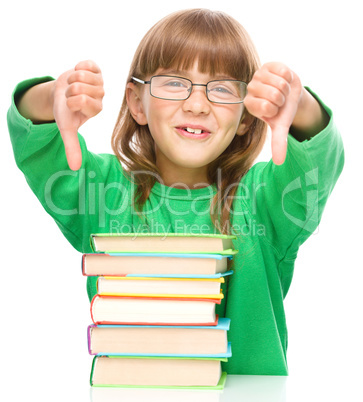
275, 210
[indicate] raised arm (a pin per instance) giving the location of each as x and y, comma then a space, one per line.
71, 100
293, 188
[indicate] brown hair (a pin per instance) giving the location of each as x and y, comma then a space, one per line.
220, 45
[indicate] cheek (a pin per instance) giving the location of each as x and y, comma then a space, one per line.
233, 122
238, 113
230, 115
156, 111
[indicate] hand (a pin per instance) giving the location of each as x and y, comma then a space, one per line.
78, 95
273, 96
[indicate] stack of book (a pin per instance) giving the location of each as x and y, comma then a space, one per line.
154, 318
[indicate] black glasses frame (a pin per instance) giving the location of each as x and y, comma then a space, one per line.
191, 86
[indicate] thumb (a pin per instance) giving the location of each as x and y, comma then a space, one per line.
280, 126
279, 144
72, 148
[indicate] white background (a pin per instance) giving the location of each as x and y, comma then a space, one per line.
44, 309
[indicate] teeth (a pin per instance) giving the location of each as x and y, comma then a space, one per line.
194, 131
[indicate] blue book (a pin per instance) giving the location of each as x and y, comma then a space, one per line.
163, 264
160, 340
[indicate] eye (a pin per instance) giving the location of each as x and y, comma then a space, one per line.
170, 85
175, 83
171, 82
229, 91
221, 89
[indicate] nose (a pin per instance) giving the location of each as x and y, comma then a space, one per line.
197, 103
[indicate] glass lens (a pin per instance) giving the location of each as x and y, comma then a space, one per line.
226, 91
177, 88
167, 87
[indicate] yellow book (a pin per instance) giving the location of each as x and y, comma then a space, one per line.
161, 287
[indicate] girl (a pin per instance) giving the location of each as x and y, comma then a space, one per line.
191, 124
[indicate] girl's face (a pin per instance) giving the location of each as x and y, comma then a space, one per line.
175, 126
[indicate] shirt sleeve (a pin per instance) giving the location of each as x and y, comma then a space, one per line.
288, 200
70, 197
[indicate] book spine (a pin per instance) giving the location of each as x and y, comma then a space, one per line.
178, 298
89, 334
92, 307
178, 324
157, 279
83, 265
163, 296
92, 370
222, 355
223, 324
92, 243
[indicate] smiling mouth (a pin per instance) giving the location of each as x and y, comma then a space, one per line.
193, 133
190, 132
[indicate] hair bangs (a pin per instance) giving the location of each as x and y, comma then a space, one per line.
213, 39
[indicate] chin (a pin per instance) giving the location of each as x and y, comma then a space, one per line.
193, 164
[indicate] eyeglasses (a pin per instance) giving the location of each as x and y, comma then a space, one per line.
177, 89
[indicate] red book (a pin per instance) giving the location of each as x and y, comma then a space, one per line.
119, 310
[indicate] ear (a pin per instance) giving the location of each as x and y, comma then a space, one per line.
245, 123
134, 103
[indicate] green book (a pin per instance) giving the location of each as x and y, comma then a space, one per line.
157, 372
161, 242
